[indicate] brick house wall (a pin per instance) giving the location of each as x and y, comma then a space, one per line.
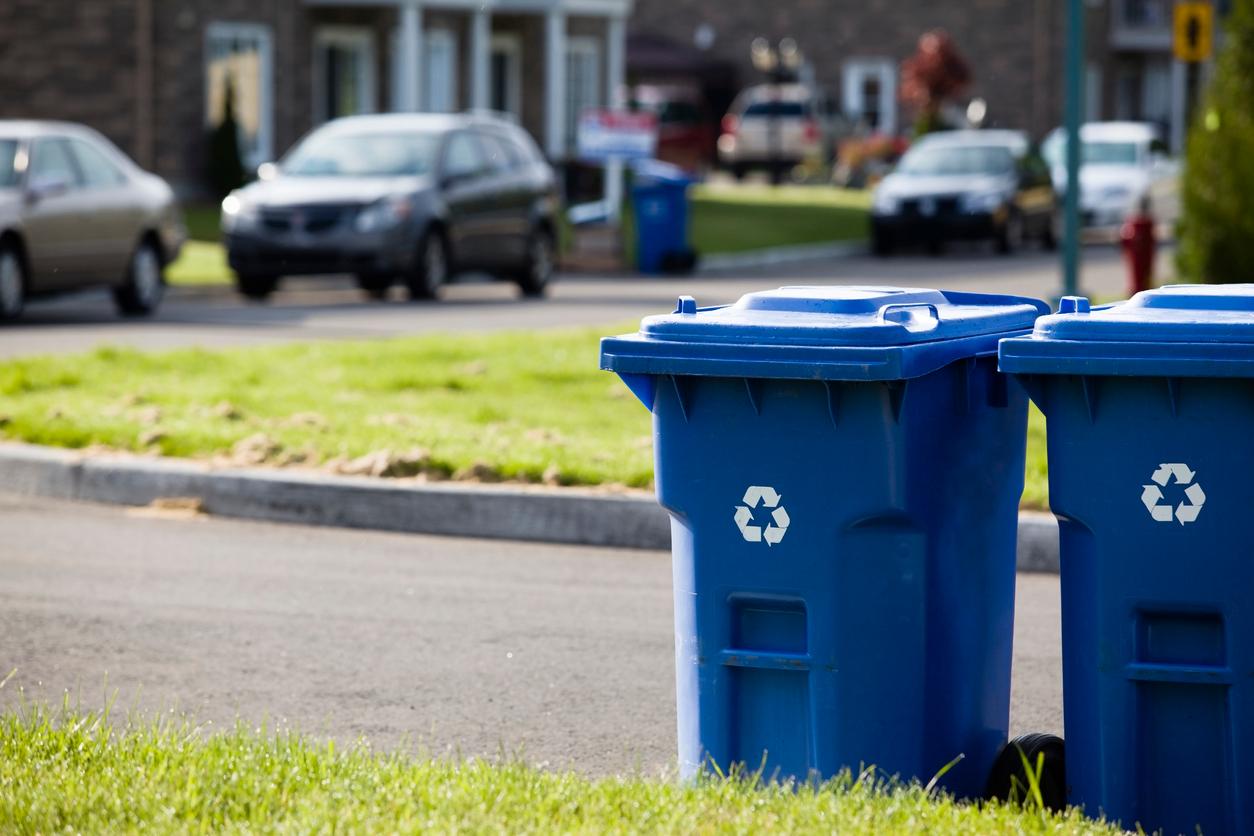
54, 54
136, 69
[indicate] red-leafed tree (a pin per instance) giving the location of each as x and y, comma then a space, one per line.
935, 74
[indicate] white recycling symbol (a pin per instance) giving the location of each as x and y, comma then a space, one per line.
1194, 496
757, 495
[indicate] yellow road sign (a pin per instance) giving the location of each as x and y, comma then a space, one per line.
1194, 30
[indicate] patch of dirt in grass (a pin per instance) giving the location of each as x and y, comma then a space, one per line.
387, 464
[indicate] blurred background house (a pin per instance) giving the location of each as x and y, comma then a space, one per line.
152, 74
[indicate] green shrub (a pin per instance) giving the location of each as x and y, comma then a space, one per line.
1217, 224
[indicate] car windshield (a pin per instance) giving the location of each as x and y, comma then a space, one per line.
956, 160
1093, 152
339, 154
8, 171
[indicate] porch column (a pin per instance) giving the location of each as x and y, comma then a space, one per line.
410, 57
480, 58
615, 75
555, 83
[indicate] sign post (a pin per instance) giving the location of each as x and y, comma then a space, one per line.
1074, 99
1192, 42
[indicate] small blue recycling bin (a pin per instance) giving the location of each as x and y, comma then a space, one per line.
1149, 407
842, 467
659, 198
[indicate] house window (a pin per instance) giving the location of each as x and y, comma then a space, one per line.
506, 79
439, 76
583, 81
869, 93
1145, 14
343, 65
238, 57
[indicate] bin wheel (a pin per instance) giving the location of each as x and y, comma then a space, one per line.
1008, 779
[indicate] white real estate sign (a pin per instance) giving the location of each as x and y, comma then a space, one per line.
605, 135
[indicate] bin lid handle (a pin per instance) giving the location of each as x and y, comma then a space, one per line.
909, 314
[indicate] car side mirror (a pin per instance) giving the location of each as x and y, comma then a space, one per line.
44, 187
267, 171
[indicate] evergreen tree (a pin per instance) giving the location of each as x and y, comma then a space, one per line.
226, 167
1217, 223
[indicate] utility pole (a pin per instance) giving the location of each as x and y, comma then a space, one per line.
1074, 110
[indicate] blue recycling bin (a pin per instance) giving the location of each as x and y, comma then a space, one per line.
659, 198
1149, 407
842, 467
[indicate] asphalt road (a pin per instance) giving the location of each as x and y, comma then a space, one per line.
560, 654
334, 309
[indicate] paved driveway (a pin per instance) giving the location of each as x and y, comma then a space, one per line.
333, 308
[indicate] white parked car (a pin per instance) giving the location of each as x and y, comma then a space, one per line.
806, 125
1121, 164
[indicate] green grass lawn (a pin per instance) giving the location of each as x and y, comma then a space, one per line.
80, 773
519, 406
200, 263
727, 219
203, 260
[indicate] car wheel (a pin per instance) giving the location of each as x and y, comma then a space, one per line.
145, 284
1010, 237
430, 269
537, 272
256, 286
374, 286
12, 284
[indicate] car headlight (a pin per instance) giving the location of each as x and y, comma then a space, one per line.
382, 214
885, 203
983, 201
237, 214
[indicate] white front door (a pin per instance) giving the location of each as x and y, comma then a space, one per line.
439, 76
870, 93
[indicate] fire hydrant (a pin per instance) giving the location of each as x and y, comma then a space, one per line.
1137, 239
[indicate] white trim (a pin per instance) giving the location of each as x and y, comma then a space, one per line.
229, 30
406, 44
435, 40
587, 47
615, 76
349, 37
510, 45
555, 83
480, 58
854, 72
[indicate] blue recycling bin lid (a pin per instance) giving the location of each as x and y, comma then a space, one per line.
656, 172
1184, 330
822, 333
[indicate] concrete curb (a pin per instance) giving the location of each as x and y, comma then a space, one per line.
555, 515
774, 256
